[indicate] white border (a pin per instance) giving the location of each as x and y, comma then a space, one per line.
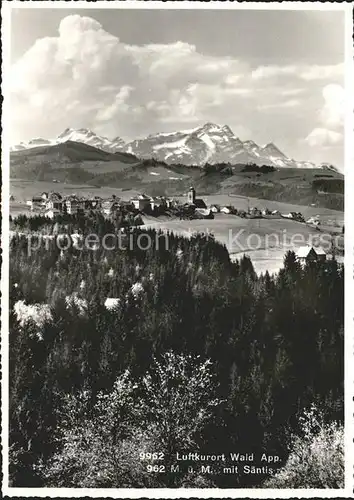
5, 212
349, 251
178, 5
349, 259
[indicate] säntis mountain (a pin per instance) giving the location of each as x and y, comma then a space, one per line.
210, 143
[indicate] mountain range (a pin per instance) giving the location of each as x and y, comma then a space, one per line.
209, 143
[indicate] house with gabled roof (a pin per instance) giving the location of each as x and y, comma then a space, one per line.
141, 202
52, 212
111, 206
309, 253
53, 201
73, 204
35, 202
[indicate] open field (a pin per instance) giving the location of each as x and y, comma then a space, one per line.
264, 240
23, 190
327, 216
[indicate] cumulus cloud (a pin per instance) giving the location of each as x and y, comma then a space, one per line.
291, 103
291, 92
87, 77
322, 72
263, 72
97, 78
304, 72
118, 105
323, 137
331, 119
332, 113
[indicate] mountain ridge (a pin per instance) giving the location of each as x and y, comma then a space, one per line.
210, 143
79, 163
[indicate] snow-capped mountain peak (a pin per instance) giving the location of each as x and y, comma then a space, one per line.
38, 141
66, 132
209, 143
89, 137
227, 130
210, 127
83, 135
272, 150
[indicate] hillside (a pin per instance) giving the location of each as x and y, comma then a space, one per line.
78, 163
66, 162
73, 151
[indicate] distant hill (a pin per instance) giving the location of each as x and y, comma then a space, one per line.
73, 151
66, 161
78, 163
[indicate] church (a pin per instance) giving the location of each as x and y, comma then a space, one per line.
193, 200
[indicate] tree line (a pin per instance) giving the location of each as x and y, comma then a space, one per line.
193, 333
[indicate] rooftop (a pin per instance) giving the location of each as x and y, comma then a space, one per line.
304, 251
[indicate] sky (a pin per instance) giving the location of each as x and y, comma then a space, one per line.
271, 75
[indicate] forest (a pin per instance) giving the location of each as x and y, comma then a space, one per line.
198, 354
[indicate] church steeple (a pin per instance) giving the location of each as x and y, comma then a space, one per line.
191, 196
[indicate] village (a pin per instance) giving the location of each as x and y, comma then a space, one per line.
142, 209
52, 204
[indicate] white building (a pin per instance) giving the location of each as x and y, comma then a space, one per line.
309, 253
52, 212
141, 202
314, 220
71, 206
110, 207
204, 213
35, 202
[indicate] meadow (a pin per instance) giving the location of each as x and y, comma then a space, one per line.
327, 215
264, 240
254, 232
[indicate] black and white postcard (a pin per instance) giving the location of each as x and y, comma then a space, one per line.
176, 258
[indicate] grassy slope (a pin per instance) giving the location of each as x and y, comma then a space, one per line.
226, 227
67, 162
24, 190
77, 163
264, 240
